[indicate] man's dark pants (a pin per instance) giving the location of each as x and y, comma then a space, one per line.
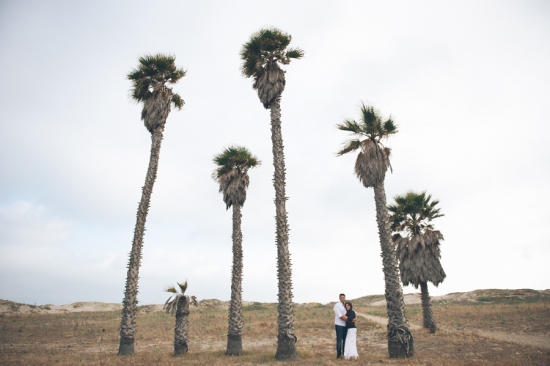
341, 333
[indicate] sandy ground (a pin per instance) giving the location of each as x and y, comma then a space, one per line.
481, 343
9, 307
537, 341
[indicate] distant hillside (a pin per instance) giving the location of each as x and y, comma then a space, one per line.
485, 296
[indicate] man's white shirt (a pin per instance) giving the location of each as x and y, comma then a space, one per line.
339, 310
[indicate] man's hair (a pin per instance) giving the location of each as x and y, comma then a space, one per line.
350, 305
342, 295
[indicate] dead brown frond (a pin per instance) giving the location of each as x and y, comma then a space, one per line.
270, 83
233, 185
419, 258
372, 163
171, 304
156, 109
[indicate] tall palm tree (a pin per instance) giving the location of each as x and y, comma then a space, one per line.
232, 175
418, 248
178, 304
370, 167
149, 86
261, 57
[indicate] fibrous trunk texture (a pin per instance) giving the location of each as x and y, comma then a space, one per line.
286, 339
235, 327
429, 321
129, 309
400, 339
181, 330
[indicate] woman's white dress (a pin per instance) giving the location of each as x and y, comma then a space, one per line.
350, 351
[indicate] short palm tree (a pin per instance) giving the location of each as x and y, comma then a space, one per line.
178, 304
418, 248
370, 167
232, 176
149, 86
261, 56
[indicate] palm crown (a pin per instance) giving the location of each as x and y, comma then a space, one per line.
413, 213
150, 86
373, 159
261, 56
232, 173
170, 305
418, 250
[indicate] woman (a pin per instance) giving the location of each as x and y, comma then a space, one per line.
350, 351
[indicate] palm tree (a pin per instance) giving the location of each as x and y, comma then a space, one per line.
261, 57
149, 86
370, 167
232, 175
418, 249
179, 304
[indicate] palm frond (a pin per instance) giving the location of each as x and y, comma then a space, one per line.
183, 287
373, 160
168, 301
349, 146
153, 73
369, 124
413, 212
390, 127
274, 39
264, 46
234, 157
387, 153
177, 101
371, 164
171, 289
296, 53
170, 306
419, 258
369, 117
396, 217
232, 173
350, 125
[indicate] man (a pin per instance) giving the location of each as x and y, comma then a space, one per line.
340, 325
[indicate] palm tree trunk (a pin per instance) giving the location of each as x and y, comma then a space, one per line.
429, 321
286, 339
129, 309
400, 340
235, 327
181, 330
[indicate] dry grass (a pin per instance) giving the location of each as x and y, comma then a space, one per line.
92, 337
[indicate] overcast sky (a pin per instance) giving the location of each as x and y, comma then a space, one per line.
468, 84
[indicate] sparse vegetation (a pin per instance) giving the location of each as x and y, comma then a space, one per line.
92, 337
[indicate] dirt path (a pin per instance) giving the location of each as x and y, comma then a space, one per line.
383, 321
528, 340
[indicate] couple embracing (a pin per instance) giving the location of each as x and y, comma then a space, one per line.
346, 332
